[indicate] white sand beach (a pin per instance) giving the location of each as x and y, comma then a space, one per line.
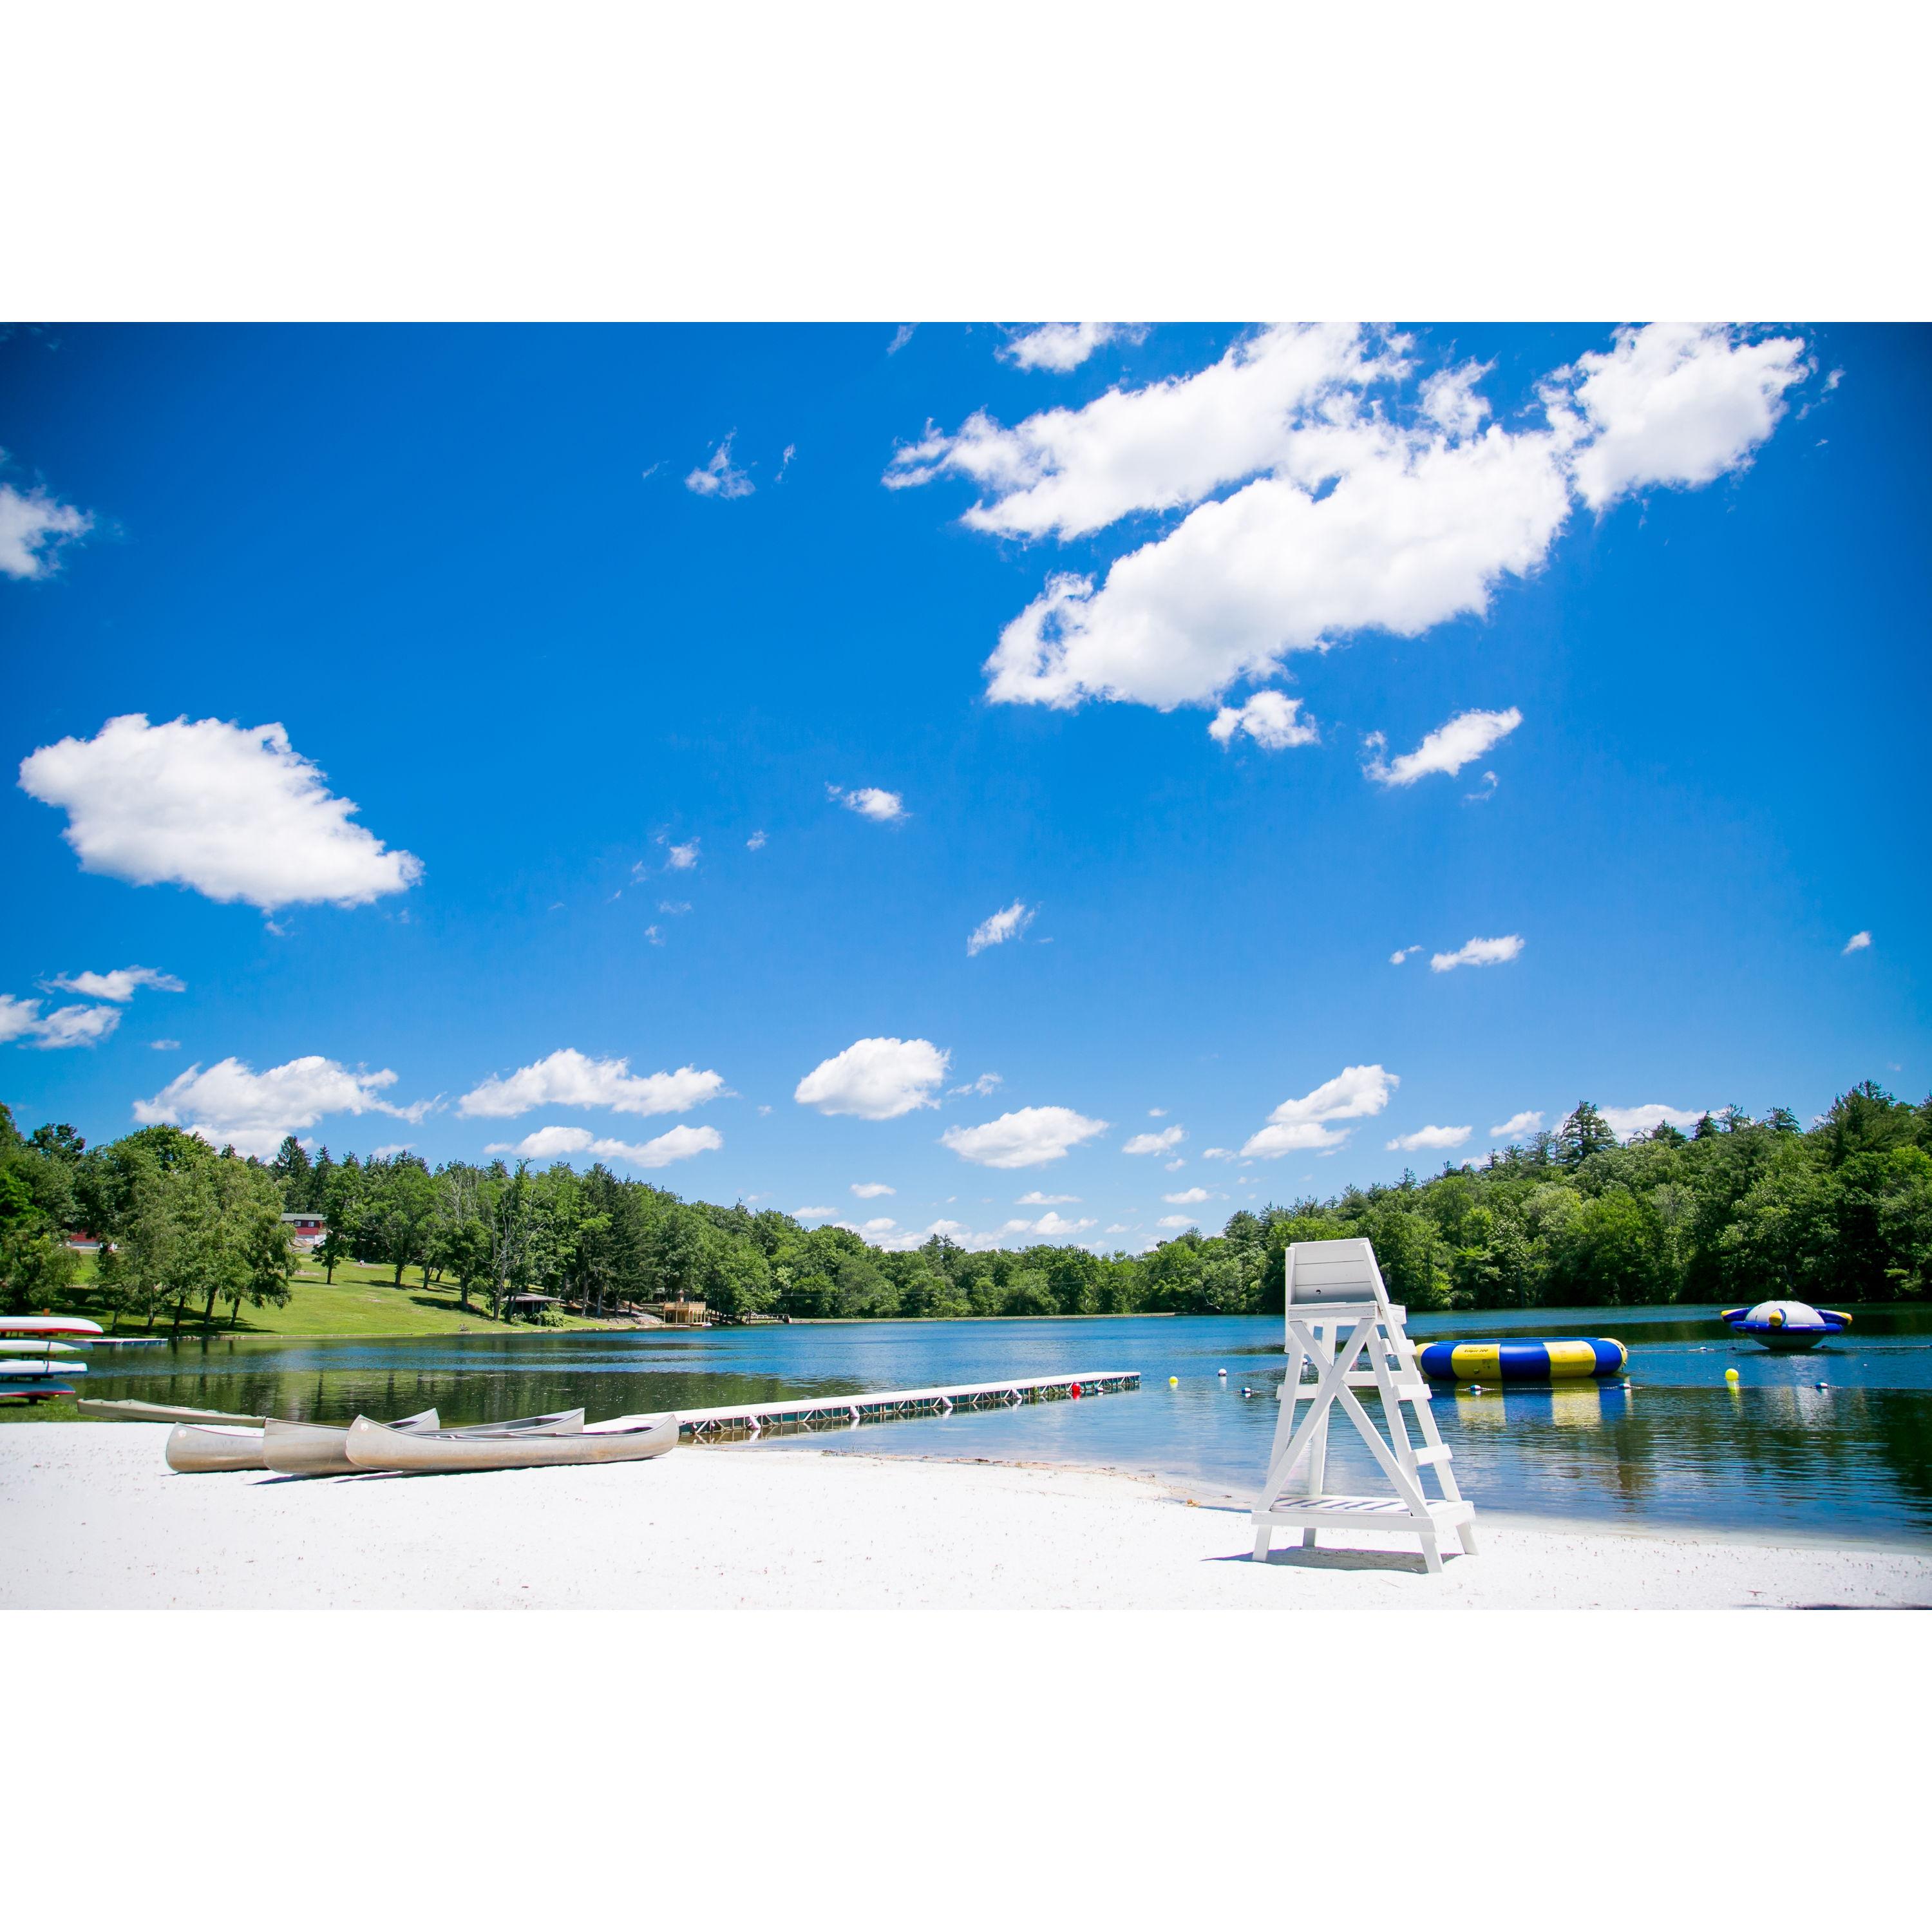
91, 1517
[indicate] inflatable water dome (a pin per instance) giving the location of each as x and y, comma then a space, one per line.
1786, 1324
1521, 1361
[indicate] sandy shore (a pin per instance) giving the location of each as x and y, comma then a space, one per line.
91, 1517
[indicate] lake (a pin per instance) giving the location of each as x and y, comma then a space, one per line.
1776, 1453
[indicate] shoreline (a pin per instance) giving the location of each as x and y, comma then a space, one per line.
96, 1520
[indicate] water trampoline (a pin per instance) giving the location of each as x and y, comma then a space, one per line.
1522, 1361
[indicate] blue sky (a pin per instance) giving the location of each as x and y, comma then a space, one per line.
558, 607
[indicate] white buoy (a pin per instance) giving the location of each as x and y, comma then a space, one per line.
1223, 1373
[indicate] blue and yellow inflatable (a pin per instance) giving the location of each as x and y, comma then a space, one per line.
1522, 1361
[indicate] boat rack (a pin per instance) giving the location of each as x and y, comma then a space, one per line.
705, 1425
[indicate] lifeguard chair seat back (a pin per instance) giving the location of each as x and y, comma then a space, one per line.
1322, 1273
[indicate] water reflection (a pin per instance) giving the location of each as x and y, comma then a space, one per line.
1772, 1452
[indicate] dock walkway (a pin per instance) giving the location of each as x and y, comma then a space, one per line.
700, 1425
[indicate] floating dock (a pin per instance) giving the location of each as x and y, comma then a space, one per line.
848, 1411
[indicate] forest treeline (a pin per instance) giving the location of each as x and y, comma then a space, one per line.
1738, 1210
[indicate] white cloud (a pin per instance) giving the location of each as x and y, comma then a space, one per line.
1430, 1137
164, 1046
1364, 501
1174, 1221
1402, 952
675, 907
1160, 1143
1269, 718
1296, 1125
32, 529
1219, 1154
883, 807
813, 1214
902, 336
654, 935
1156, 1113
871, 1190
876, 1079
1858, 942
1036, 1199
390, 1149
985, 1084
1009, 922
76, 1026
17, 1016
1478, 953
1173, 1166
756, 843
1053, 1226
230, 1103
1030, 1137
1062, 346
1676, 402
234, 812
1184, 1199
716, 477
1529, 1121
121, 984
1447, 748
569, 1079
676, 1143
1625, 1121
680, 858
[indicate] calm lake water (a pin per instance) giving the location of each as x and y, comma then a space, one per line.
1777, 1452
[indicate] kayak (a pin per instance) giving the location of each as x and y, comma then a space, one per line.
201, 1449
625, 1438
320, 1448
47, 1325
28, 1368
11, 1347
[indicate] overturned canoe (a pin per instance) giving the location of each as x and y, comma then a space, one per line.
320, 1449
203, 1449
625, 1438
48, 1324
100, 1411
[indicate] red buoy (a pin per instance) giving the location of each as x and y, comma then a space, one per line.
1074, 1391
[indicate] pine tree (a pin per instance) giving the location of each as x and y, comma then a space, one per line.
1584, 1133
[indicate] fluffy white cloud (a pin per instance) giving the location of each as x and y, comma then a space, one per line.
756, 843
569, 1079
1009, 922
235, 812
876, 1079
1858, 942
121, 984
1219, 1154
1300, 1125
871, 1190
1062, 346
1625, 1121
1036, 1199
65, 1026
717, 477
676, 1143
33, 528
883, 807
1174, 1221
1430, 1137
1030, 1137
984, 1084
1269, 718
230, 1102
1478, 953
1365, 502
1185, 1198
1677, 403
680, 858
813, 1214
164, 1046
1402, 952
1529, 1121
1447, 748
1150, 1143
1051, 1226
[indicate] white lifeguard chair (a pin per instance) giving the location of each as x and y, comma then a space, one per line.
1342, 1323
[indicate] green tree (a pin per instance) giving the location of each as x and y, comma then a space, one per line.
1584, 1133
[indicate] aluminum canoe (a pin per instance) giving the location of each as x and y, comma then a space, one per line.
625, 1438
103, 1411
320, 1449
201, 1449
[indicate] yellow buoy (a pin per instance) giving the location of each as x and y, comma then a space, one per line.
1173, 1381
1730, 1375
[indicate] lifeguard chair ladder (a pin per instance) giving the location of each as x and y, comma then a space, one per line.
1339, 1316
